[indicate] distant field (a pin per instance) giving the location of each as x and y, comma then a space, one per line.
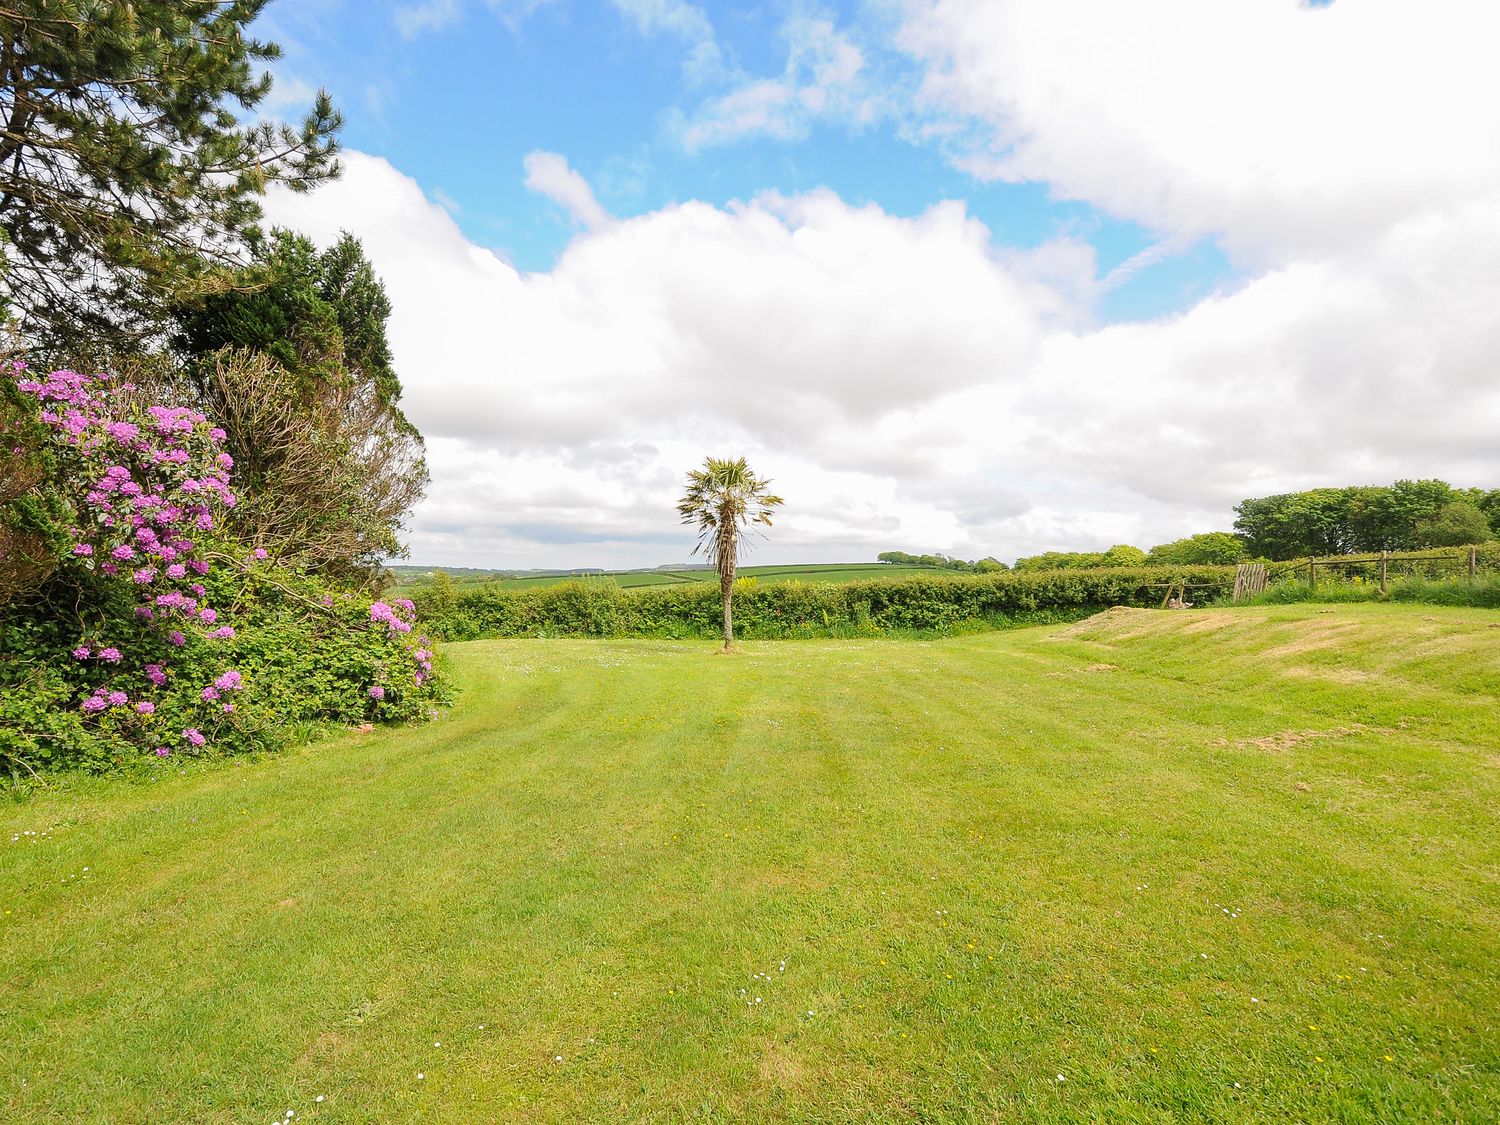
818, 572
1231, 866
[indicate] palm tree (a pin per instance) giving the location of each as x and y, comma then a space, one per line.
723, 499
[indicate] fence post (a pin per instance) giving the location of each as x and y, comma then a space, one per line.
1383, 555
1312, 572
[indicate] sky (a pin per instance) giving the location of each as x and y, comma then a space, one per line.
979, 277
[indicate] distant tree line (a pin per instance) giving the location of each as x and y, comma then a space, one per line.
1409, 515
942, 562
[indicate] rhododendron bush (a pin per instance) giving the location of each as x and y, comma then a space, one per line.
157, 634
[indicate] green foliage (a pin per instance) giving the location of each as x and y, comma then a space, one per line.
320, 315
1123, 554
307, 652
126, 169
41, 727
593, 608
133, 641
1334, 521
1482, 593
942, 562
1456, 523
33, 519
294, 362
1062, 560
1211, 548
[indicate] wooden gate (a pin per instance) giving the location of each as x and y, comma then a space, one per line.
1249, 580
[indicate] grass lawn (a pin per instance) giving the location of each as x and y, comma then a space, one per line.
1237, 865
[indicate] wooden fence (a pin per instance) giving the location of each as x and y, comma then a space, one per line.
1468, 561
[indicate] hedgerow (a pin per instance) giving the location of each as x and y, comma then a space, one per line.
599, 608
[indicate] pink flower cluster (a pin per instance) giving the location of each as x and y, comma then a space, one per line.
397, 617
148, 478
148, 484
230, 681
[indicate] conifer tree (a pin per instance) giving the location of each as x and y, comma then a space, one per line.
129, 168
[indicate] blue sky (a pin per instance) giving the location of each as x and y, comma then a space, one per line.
987, 277
458, 99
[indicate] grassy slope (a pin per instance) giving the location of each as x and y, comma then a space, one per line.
987, 863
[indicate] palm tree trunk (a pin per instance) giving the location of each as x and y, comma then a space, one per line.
726, 595
726, 588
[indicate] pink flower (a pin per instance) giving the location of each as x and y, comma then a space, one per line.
155, 674
193, 735
145, 707
162, 751
377, 692
210, 695
259, 552
83, 550
176, 638
229, 681
117, 698
82, 652
110, 655
94, 704
223, 633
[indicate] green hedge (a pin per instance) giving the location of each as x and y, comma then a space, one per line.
599, 608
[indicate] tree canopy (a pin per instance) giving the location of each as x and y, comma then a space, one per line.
128, 170
1209, 548
1404, 516
293, 360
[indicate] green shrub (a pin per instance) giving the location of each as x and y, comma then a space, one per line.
924, 604
921, 604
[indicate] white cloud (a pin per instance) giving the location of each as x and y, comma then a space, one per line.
824, 79
907, 382
422, 16
685, 21
1283, 128
549, 174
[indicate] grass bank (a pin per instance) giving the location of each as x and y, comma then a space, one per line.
1235, 865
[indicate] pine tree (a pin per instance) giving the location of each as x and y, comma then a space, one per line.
127, 170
